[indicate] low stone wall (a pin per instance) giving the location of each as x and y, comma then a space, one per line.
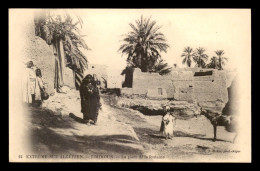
181, 109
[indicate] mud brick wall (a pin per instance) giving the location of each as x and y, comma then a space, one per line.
178, 85
36, 50
152, 84
181, 85
211, 88
69, 78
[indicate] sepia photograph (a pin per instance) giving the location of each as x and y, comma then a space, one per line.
129, 85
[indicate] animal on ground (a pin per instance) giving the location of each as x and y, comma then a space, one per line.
218, 119
169, 122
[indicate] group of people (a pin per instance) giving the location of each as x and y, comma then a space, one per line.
34, 92
33, 89
33, 86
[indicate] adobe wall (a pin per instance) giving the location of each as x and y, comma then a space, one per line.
150, 83
211, 88
69, 78
182, 86
36, 50
178, 85
182, 82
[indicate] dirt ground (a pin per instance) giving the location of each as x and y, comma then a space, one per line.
192, 138
123, 135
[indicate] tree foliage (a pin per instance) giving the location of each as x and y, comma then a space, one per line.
144, 44
56, 27
213, 63
221, 59
200, 57
187, 56
162, 68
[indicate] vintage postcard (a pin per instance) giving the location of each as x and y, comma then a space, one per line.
130, 85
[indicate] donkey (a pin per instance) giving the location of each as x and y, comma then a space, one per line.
217, 119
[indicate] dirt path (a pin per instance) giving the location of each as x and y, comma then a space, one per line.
121, 134
192, 138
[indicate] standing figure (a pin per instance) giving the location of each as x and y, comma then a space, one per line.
90, 100
168, 123
31, 89
40, 88
166, 109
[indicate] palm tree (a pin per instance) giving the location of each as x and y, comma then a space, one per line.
62, 32
188, 55
144, 44
162, 68
221, 60
213, 63
200, 58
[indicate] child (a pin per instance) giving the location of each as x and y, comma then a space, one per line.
168, 122
40, 88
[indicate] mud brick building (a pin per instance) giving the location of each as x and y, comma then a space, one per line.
207, 87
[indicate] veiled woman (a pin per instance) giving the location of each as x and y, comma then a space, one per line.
90, 100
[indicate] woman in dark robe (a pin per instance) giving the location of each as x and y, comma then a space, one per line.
90, 100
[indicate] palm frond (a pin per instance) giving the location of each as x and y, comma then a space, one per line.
188, 62
134, 28
184, 60
57, 27
144, 42
220, 52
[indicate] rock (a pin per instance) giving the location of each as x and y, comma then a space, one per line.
155, 107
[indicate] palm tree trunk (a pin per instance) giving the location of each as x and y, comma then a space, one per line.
220, 64
144, 66
59, 65
189, 62
139, 60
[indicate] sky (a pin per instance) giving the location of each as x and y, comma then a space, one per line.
212, 29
